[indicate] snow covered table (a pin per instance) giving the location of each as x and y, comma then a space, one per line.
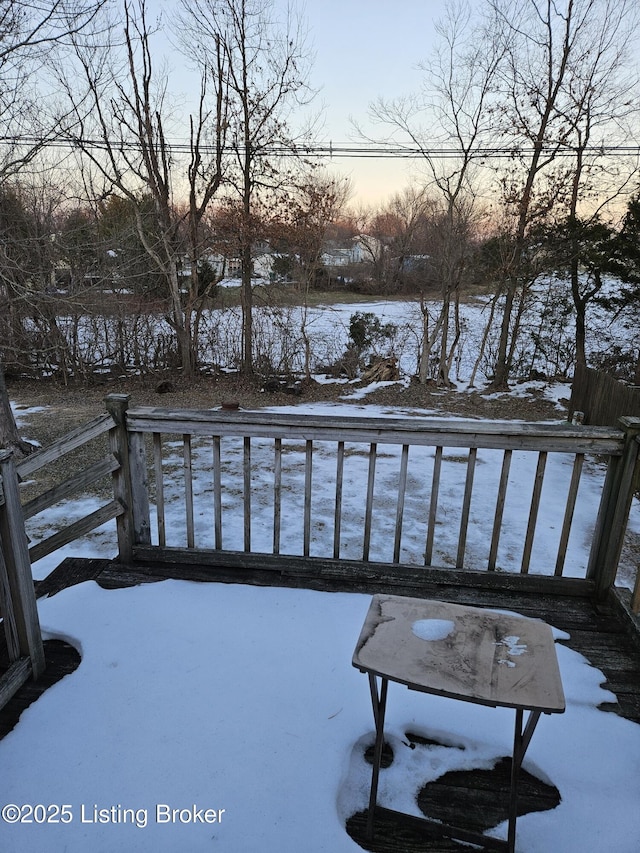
466, 653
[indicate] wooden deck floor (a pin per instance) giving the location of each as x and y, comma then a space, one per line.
598, 633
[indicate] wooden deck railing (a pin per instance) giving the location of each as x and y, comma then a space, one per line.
248, 496
397, 497
25, 652
18, 610
78, 483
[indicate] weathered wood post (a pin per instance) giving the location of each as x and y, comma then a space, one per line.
17, 596
622, 480
130, 482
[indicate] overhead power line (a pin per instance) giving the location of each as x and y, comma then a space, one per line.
337, 151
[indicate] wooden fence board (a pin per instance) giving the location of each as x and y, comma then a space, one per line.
187, 465
602, 397
277, 495
308, 471
568, 513
355, 570
425, 432
76, 530
368, 513
533, 512
64, 445
246, 491
466, 506
16, 564
433, 505
500, 502
217, 492
12, 680
159, 477
338, 502
6, 612
402, 487
78, 483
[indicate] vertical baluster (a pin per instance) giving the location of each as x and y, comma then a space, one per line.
277, 494
369, 505
246, 496
533, 513
433, 506
217, 493
8, 610
188, 488
308, 468
337, 519
157, 467
466, 506
497, 521
402, 486
568, 513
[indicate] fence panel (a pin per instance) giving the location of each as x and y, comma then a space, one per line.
602, 398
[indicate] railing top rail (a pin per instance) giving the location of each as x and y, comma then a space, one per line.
392, 430
71, 441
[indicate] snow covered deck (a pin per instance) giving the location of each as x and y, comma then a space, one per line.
596, 633
209, 506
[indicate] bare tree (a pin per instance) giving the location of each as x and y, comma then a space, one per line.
125, 106
449, 123
602, 108
554, 54
406, 219
34, 36
306, 214
31, 35
265, 77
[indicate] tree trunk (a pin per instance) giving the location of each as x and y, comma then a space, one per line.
246, 298
500, 381
580, 305
427, 341
181, 322
483, 343
443, 366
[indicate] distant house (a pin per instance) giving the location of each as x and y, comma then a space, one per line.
359, 250
263, 265
365, 248
222, 266
228, 267
334, 256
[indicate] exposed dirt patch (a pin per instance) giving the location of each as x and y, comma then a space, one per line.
65, 408
532, 406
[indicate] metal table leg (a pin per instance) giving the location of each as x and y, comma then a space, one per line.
521, 741
379, 705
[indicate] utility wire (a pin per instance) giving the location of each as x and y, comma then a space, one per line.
337, 151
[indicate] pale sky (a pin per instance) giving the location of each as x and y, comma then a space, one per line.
366, 49
363, 49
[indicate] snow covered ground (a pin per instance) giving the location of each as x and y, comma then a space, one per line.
215, 717
546, 342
